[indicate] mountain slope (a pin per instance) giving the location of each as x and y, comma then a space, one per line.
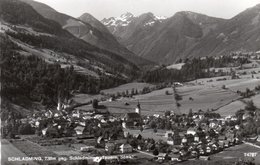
47, 39
88, 29
188, 34
165, 40
239, 33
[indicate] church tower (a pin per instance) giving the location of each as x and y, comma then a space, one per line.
138, 108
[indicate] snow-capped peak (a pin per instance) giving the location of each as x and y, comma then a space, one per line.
123, 20
155, 19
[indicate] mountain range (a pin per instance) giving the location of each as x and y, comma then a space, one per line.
89, 29
47, 39
148, 39
186, 34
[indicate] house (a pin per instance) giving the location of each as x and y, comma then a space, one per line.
99, 160
44, 131
202, 149
184, 139
215, 147
258, 138
162, 156
226, 143
137, 136
194, 153
174, 140
101, 141
174, 157
183, 153
175, 150
246, 116
169, 134
126, 134
196, 137
204, 158
126, 148
190, 138
87, 148
50, 132
79, 130
191, 130
221, 145
222, 138
110, 147
150, 147
112, 136
209, 149
133, 117
231, 138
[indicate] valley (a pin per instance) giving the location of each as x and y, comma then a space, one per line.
135, 89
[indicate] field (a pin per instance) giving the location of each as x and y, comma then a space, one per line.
231, 108
205, 94
151, 103
8, 150
228, 156
84, 98
32, 149
157, 102
148, 133
129, 87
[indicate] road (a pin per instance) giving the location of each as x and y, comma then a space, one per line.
251, 144
8, 150
146, 153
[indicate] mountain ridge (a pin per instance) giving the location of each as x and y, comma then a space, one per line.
98, 37
189, 34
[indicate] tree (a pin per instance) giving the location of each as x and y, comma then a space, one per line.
166, 92
95, 103
250, 106
190, 113
167, 113
152, 124
25, 129
155, 152
258, 130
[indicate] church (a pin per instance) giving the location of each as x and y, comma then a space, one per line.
133, 119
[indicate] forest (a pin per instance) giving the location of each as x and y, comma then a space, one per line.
29, 77
192, 69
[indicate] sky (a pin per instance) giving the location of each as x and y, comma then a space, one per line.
113, 8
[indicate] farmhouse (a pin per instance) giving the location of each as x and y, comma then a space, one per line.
162, 156
110, 147
79, 130
191, 131
126, 148
174, 157
174, 140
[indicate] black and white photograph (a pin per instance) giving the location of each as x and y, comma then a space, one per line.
134, 82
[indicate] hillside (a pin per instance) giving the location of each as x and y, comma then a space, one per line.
41, 61
239, 33
89, 29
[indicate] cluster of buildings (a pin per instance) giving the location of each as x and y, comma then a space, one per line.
192, 135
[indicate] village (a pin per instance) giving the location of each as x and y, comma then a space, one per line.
101, 136
167, 123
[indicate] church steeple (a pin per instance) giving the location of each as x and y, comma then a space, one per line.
138, 108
